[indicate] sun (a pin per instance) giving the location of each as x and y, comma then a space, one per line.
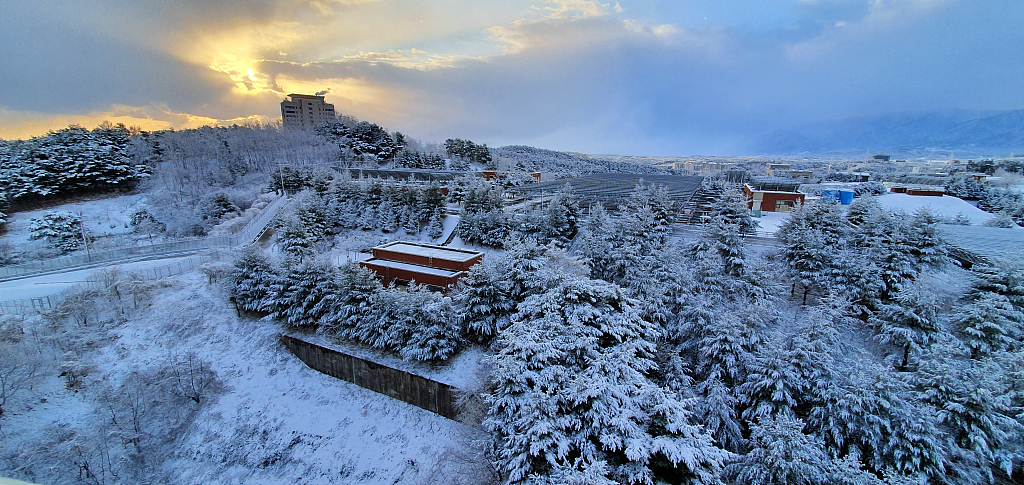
252, 76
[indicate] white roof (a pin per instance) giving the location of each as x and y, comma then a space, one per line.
384, 263
436, 252
990, 242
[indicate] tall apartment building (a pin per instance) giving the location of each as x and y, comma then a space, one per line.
305, 111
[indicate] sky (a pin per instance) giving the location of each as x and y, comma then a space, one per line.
642, 77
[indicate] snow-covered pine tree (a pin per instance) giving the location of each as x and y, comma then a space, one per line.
488, 295
909, 324
312, 214
62, 230
975, 403
252, 279
887, 240
989, 324
1005, 278
928, 247
773, 384
368, 220
389, 216
781, 455
295, 240
354, 304
435, 228
438, 331
572, 392
562, 216
813, 239
312, 293
871, 413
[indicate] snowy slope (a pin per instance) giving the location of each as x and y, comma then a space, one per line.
276, 421
102, 217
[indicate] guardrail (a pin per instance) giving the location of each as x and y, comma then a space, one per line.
48, 302
247, 235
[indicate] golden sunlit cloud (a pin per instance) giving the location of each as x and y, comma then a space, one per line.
26, 124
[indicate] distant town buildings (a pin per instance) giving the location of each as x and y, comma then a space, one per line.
305, 111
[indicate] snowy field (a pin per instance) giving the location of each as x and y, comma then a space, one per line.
946, 206
276, 421
102, 217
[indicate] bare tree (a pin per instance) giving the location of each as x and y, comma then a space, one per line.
191, 377
19, 368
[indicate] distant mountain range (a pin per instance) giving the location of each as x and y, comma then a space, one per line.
954, 132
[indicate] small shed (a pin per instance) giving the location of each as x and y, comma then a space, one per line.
772, 200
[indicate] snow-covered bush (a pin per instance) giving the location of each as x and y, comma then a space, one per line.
61, 230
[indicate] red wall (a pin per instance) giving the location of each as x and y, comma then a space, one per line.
391, 274
768, 203
426, 261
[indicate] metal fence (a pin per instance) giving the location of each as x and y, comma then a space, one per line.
248, 234
42, 303
419, 391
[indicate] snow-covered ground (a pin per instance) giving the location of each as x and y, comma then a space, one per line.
769, 222
945, 206
276, 421
102, 218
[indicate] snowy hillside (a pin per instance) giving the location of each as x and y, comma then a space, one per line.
270, 420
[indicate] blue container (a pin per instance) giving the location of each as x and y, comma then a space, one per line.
846, 197
830, 196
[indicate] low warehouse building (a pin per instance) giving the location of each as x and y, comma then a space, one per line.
425, 264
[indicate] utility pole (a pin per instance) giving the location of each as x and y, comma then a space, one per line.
85, 240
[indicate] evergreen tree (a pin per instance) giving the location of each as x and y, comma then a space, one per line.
990, 324
311, 294
295, 239
487, 297
438, 330
886, 239
909, 324
252, 280
563, 214
870, 412
357, 285
974, 400
61, 230
1004, 278
928, 247
814, 237
782, 455
572, 393
435, 228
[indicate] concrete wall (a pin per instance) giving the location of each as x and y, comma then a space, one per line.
421, 392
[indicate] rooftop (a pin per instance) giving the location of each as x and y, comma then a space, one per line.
306, 96
426, 250
385, 263
991, 243
616, 187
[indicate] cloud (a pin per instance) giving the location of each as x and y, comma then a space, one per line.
650, 78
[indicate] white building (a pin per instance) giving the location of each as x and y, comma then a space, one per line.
305, 111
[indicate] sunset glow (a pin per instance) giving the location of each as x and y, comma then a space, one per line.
583, 75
